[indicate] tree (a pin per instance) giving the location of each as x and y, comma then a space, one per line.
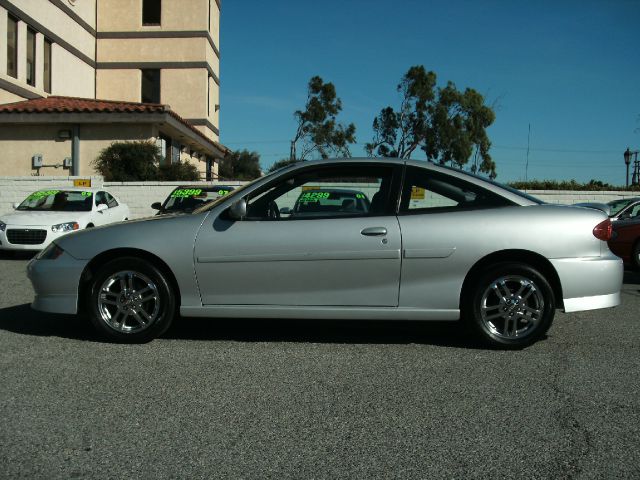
445, 123
240, 165
282, 163
128, 162
139, 162
317, 129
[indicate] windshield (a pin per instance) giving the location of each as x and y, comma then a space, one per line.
618, 205
188, 199
58, 201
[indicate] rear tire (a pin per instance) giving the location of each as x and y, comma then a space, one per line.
511, 306
131, 301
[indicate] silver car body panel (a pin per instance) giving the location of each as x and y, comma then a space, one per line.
299, 262
326, 268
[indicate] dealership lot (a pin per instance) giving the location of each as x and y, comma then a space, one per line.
276, 399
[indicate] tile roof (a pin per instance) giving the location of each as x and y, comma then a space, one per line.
58, 104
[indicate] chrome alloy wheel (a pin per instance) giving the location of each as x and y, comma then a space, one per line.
128, 302
511, 307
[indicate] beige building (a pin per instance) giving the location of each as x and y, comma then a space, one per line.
90, 72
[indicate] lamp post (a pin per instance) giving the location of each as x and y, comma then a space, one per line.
627, 161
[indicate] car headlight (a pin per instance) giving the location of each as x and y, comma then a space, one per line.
65, 227
3, 226
52, 252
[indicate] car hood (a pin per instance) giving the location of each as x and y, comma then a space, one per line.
42, 218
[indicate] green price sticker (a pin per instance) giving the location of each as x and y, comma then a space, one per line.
360, 196
87, 194
42, 194
222, 192
314, 196
186, 192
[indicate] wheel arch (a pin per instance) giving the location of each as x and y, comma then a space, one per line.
527, 257
99, 260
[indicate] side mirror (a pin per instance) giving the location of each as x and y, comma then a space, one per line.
156, 206
238, 210
285, 211
102, 207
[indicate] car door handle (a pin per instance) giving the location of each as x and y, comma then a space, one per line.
374, 231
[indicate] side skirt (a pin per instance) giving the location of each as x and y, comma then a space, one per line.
329, 313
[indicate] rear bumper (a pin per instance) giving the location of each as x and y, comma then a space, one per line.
590, 283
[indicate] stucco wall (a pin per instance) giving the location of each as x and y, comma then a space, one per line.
140, 195
119, 84
175, 15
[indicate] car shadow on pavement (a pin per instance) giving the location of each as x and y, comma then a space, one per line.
17, 255
23, 320
448, 334
631, 277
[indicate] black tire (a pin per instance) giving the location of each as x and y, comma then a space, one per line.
135, 292
635, 256
511, 306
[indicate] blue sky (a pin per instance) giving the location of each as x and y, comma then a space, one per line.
570, 68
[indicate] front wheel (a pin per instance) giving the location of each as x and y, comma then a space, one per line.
512, 306
131, 301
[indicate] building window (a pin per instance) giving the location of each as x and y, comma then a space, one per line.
150, 86
47, 66
12, 46
151, 12
209, 96
209, 15
31, 57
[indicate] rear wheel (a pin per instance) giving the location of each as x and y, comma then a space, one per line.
131, 301
512, 306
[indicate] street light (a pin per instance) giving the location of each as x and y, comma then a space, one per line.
627, 160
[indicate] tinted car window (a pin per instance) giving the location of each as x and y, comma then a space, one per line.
324, 193
111, 202
427, 191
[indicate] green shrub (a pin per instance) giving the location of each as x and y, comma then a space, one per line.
140, 162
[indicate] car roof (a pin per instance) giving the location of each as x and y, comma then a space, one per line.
516, 196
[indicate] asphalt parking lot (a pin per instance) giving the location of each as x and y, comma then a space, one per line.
276, 399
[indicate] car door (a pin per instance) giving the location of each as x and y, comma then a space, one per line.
330, 258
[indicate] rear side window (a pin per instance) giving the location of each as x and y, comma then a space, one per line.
425, 191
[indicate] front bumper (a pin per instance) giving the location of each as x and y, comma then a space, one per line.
590, 283
56, 283
24, 230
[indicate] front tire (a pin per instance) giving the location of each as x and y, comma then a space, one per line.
512, 306
131, 301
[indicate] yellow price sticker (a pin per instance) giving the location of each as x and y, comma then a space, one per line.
417, 193
82, 182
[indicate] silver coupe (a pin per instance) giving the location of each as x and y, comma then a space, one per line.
434, 244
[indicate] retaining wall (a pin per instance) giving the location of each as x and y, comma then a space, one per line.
140, 195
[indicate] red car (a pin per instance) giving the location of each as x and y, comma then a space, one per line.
625, 242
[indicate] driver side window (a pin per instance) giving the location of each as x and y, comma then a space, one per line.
334, 192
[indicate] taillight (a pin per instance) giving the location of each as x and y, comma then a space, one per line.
603, 230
